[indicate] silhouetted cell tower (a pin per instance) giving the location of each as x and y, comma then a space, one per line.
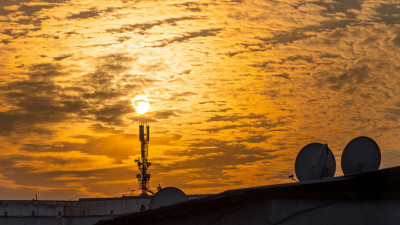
142, 162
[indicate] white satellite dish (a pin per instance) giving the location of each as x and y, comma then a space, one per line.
360, 155
167, 196
315, 161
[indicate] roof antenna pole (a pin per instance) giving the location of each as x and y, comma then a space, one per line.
142, 162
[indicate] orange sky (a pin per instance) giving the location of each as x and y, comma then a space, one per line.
236, 89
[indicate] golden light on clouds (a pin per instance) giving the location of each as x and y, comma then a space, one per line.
141, 104
235, 86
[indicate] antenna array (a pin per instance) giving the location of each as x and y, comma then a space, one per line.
142, 162
316, 161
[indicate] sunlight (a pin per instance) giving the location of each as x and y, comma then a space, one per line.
141, 104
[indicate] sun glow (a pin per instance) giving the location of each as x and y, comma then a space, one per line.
141, 104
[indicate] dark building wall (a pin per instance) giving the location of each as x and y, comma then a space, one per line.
82, 212
51, 221
286, 212
366, 198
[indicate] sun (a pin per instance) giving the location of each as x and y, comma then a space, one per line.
141, 104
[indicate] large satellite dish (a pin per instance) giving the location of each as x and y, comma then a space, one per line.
360, 155
315, 161
167, 196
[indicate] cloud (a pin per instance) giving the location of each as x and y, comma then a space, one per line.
388, 13
114, 62
396, 39
283, 75
234, 118
252, 49
213, 102
193, 6
85, 14
26, 14
41, 99
142, 27
29, 10
115, 145
165, 114
99, 128
256, 139
181, 96
306, 58
190, 35
351, 77
113, 114
15, 33
18, 123
340, 6
247, 129
45, 71
24, 7
63, 178
37, 101
20, 167
208, 161
249, 74
59, 58
222, 110
297, 34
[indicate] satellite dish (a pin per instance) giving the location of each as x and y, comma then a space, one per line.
360, 155
167, 196
315, 161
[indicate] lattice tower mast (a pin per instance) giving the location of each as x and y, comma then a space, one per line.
142, 162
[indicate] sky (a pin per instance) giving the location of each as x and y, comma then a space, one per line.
236, 89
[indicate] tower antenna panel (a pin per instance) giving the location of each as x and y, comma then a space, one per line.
141, 132
148, 133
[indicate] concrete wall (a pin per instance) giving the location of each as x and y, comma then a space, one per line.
105, 207
26, 208
82, 212
51, 221
83, 207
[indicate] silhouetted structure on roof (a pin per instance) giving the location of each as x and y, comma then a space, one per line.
365, 195
365, 198
142, 162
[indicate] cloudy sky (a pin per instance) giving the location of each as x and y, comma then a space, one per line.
236, 89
